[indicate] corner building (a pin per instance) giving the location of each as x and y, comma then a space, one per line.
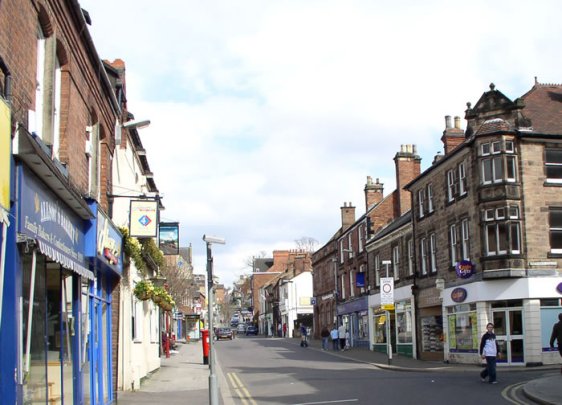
487, 224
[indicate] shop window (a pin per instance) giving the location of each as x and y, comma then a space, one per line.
432, 333
553, 165
555, 225
404, 324
463, 329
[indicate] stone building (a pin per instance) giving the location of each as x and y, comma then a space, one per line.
486, 220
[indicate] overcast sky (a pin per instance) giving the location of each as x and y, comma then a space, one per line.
268, 115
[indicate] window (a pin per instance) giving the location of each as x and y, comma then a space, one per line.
421, 202
377, 270
498, 165
423, 256
465, 248
462, 179
433, 252
553, 165
555, 224
502, 233
453, 245
349, 245
361, 236
341, 251
396, 262
450, 185
93, 156
342, 289
429, 198
410, 256
351, 284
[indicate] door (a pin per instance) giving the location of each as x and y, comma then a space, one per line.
508, 326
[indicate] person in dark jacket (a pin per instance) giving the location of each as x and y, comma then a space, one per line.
489, 350
557, 335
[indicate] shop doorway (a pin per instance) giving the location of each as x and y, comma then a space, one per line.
508, 326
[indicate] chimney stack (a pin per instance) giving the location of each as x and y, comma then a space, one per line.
347, 216
452, 136
373, 193
408, 165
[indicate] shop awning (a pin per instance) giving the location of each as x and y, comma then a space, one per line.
61, 258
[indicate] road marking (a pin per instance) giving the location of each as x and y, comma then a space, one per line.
330, 402
510, 391
240, 390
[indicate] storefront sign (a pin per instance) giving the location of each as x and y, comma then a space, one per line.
459, 294
54, 225
360, 280
464, 269
109, 241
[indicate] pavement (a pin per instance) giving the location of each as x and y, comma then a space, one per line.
183, 378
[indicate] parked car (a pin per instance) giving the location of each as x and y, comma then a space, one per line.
241, 328
224, 333
252, 330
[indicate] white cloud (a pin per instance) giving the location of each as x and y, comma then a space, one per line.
268, 115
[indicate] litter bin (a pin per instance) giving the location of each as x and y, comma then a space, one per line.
205, 341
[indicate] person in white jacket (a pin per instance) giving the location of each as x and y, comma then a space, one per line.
489, 350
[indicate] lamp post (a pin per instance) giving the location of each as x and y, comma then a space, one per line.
387, 314
213, 391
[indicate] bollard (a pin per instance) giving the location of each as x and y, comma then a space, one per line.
205, 342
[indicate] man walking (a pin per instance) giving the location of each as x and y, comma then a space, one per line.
489, 350
557, 335
304, 333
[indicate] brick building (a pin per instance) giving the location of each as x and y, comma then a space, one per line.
63, 259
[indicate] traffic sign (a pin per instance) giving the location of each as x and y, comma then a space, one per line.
387, 290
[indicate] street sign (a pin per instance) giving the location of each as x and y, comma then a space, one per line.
387, 290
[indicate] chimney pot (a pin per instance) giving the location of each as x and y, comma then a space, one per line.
457, 122
447, 121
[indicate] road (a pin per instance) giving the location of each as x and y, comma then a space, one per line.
263, 370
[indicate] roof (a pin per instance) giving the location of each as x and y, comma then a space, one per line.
543, 106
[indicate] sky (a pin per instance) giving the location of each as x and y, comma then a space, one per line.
267, 115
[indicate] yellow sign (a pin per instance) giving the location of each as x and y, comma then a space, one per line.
382, 319
5, 153
388, 307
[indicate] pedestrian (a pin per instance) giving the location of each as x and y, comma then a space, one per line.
279, 330
489, 350
304, 341
347, 340
325, 334
284, 330
341, 336
335, 338
557, 335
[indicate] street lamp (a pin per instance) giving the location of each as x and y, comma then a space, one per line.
387, 313
213, 391
132, 124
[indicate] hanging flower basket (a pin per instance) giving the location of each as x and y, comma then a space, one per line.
158, 295
157, 299
143, 290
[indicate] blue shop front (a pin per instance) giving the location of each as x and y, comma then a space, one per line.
103, 250
354, 316
52, 269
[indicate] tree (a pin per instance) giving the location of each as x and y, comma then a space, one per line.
306, 243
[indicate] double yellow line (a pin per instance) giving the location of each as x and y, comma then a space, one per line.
240, 390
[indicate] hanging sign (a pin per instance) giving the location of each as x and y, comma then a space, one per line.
144, 219
387, 290
464, 269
